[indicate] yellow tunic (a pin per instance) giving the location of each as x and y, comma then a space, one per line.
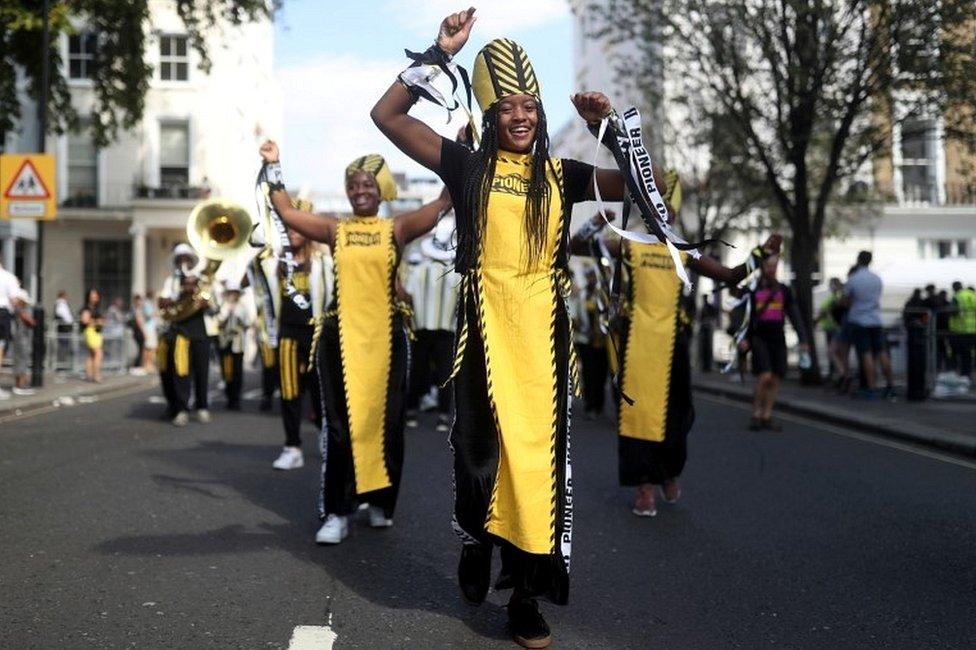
517, 306
654, 295
365, 260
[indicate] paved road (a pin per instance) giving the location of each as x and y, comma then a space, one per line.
118, 531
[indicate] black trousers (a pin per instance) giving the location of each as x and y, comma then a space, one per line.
190, 361
595, 372
167, 376
430, 365
297, 378
232, 371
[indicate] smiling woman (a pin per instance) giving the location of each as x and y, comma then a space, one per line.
361, 354
514, 367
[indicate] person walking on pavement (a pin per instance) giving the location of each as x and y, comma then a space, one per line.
9, 286
23, 337
92, 320
772, 304
862, 294
362, 355
962, 328
829, 318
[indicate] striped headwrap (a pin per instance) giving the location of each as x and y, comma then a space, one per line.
375, 164
502, 68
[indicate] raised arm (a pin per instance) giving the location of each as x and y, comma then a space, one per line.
410, 135
710, 268
411, 225
318, 227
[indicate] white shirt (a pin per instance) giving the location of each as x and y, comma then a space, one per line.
9, 284
63, 312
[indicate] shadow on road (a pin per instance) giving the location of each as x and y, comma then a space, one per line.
399, 568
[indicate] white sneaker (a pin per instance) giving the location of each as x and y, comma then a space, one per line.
203, 416
182, 419
290, 458
378, 519
334, 530
23, 391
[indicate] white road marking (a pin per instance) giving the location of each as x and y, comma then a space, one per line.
312, 637
157, 399
863, 437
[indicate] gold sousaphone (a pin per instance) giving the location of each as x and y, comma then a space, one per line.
218, 230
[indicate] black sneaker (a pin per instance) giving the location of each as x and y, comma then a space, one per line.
474, 572
265, 403
769, 425
526, 624
755, 424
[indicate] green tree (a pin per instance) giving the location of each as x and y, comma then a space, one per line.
810, 89
120, 77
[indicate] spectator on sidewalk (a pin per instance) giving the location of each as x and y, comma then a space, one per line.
772, 304
829, 318
64, 322
707, 320
962, 328
149, 316
9, 285
941, 307
23, 338
92, 321
862, 293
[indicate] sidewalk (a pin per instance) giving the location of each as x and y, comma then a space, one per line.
947, 425
62, 391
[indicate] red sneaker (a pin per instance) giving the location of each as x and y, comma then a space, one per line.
644, 502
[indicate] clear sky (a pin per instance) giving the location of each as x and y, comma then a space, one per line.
334, 60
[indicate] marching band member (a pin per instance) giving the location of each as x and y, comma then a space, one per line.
313, 279
184, 351
655, 410
235, 317
433, 286
362, 356
513, 364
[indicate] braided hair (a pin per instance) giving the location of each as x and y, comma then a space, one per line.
477, 190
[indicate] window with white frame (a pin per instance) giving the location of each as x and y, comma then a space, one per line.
918, 160
174, 60
941, 249
174, 154
82, 169
81, 55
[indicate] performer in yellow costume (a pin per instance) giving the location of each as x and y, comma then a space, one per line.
361, 353
655, 406
515, 365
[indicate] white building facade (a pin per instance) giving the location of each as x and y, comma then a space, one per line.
123, 207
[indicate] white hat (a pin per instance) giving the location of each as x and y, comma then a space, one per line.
443, 243
184, 249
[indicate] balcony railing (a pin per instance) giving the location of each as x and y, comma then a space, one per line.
172, 192
928, 194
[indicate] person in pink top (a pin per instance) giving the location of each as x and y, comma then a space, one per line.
772, 304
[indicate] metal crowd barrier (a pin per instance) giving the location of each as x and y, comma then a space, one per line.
67, 352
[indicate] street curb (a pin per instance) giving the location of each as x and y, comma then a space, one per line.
927, 436
15, 409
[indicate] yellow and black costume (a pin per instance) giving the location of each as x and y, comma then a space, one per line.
514, 351
363, 363
234, 319
656, 374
